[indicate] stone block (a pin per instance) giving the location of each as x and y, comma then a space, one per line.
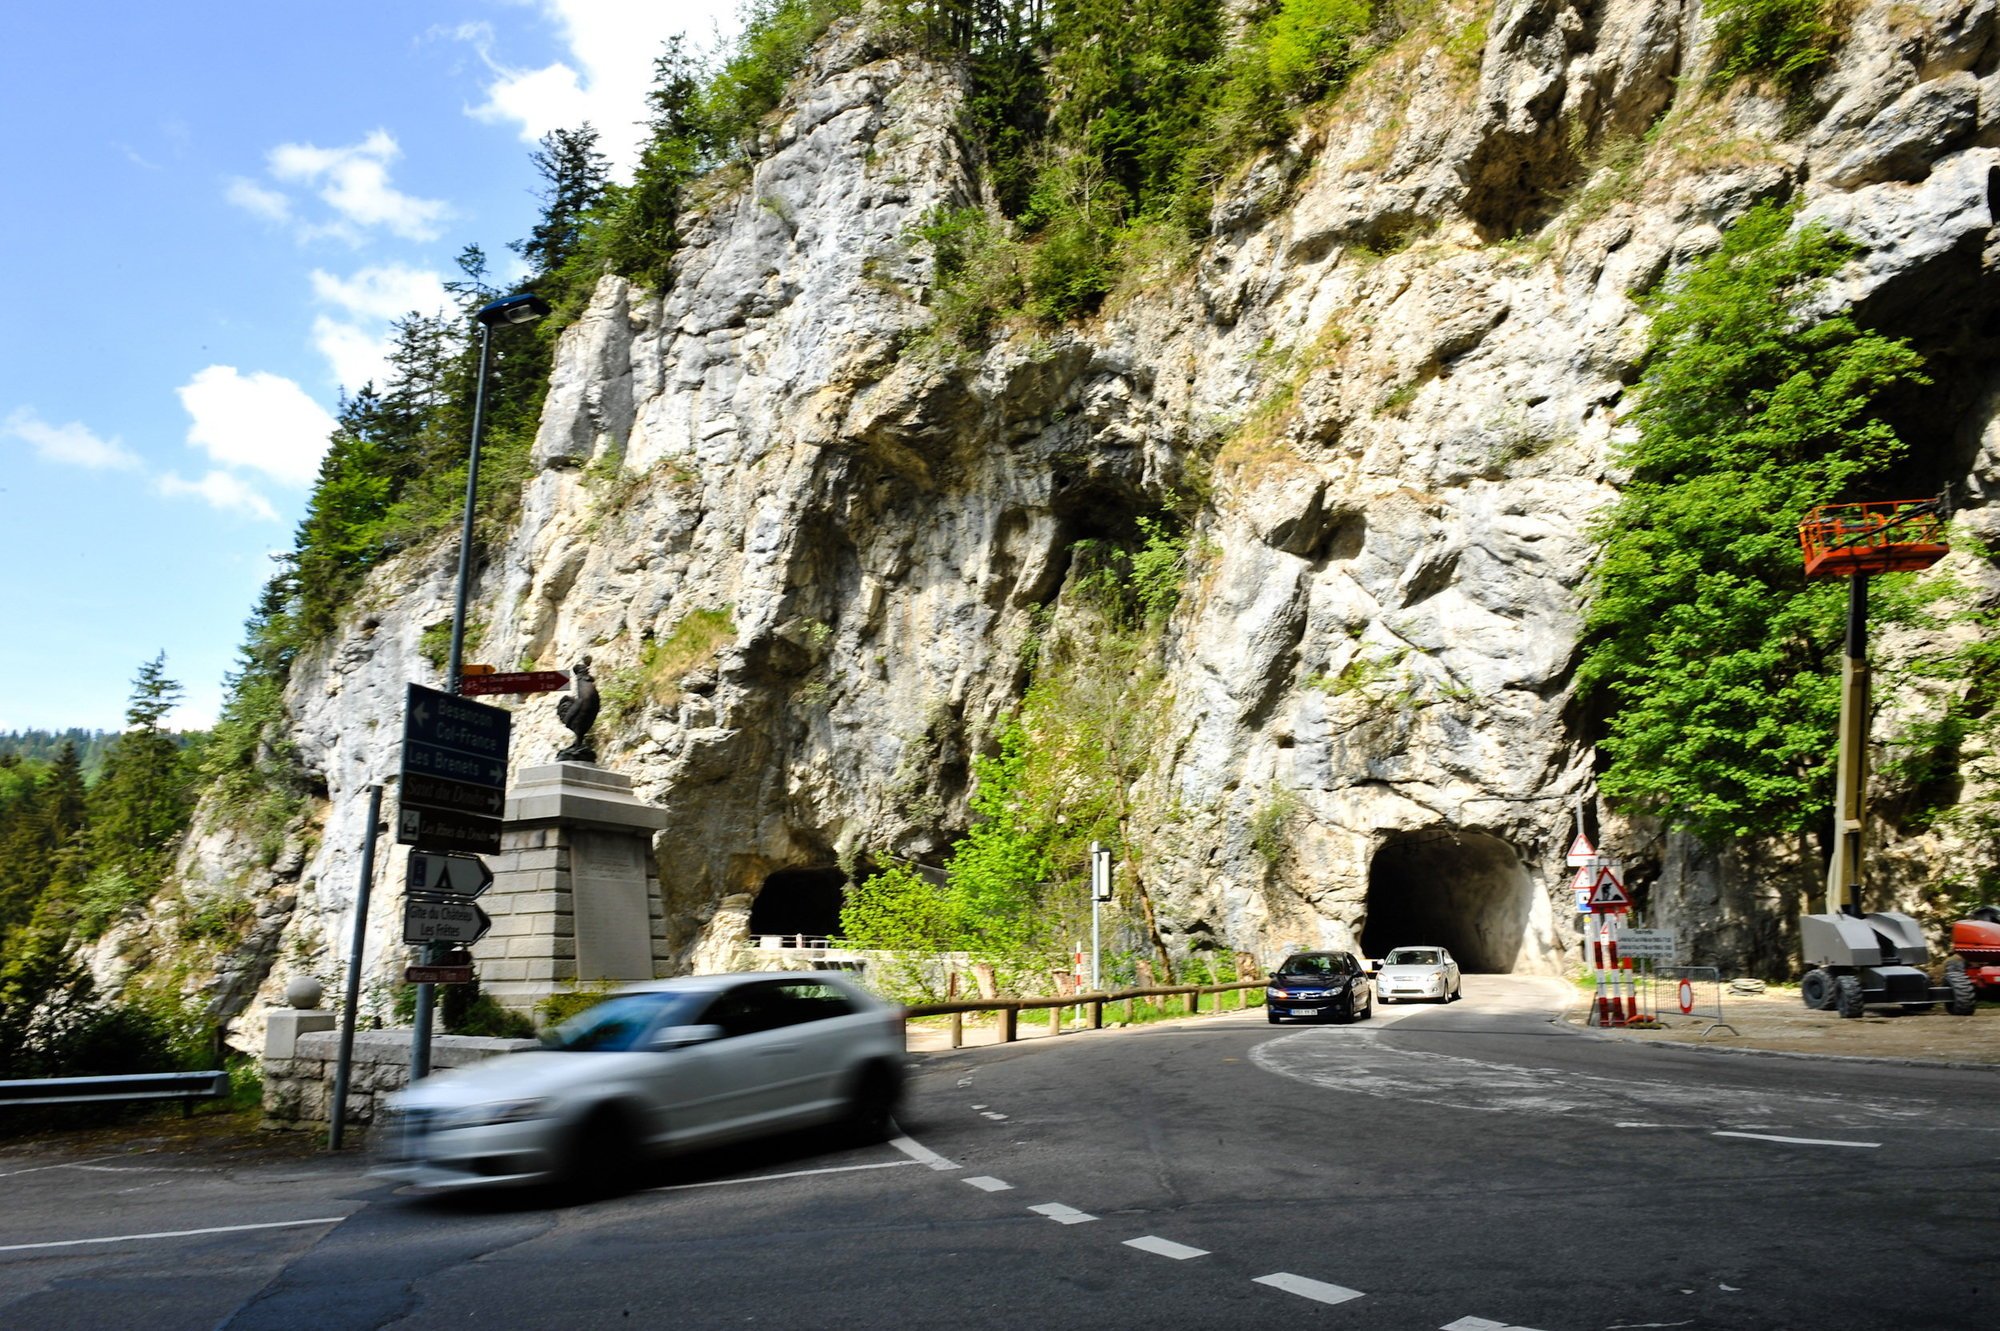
283, 1026
503, 971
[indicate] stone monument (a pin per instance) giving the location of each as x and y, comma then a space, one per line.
575, 898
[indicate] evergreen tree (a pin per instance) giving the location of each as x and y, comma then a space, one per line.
140, 806
643, 231
574, 176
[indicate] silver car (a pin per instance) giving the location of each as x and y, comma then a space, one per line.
655, 1068
1417, 972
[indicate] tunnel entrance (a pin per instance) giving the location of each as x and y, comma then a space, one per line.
799, 902
1464, 891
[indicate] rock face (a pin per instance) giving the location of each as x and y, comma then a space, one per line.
806, 560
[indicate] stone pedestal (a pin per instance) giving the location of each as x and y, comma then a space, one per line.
575, 899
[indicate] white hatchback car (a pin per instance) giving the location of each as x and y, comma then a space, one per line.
1417, 972
655, 1068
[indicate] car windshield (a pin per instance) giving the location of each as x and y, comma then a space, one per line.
1310, 965
1414, 956
619, 1024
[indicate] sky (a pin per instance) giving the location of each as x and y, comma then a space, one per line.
214, 212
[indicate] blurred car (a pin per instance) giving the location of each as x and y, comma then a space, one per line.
1417, 972
1319, 986
655, 1068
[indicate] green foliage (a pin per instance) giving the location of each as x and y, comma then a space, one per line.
1312, 45
1271, 823
558, 1008
464, 1010
694, 642
777, 36
1705, 645
1784, 39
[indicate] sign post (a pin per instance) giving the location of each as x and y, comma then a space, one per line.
454, 786
1100, 892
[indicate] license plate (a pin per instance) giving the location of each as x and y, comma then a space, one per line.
1300, 1010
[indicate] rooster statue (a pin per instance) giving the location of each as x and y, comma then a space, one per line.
578, 710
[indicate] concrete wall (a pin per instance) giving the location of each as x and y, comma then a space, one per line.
298, 1089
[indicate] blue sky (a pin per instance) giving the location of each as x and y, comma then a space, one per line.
213, 212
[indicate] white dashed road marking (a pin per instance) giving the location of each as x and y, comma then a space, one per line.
987, 1183
1317, 1290
922, 1154
1481, 1324
1795, 1141
997, 1118
1180, 1252
1056, 1211
174, 1234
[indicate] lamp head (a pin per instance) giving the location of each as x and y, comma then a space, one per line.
523, 308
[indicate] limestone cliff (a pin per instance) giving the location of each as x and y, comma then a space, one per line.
1405, 347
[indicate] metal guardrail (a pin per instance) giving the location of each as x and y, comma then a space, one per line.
187, 1087
1012, 1008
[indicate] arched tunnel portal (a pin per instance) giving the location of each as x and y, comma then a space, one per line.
1464, 891
799, 902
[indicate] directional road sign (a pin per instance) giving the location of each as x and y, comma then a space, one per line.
437, 975
457, 876
454, 772
443, 921
430, 829
515, 681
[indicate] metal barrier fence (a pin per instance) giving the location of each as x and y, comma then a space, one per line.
187, 1087
1692, 991
1010, 1009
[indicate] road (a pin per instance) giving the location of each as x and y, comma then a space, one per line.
1470, 1168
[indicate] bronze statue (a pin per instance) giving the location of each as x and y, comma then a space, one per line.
577, 711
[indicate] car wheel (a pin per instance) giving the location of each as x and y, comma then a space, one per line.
871, 1109
1386, 999
1271, 1017
1847, 995
1964, 994
1367, 1010
602, 1154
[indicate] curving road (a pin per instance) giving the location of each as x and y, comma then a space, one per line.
1470, 1167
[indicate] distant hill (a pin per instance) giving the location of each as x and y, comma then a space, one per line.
41, 746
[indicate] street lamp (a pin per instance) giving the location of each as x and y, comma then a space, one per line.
524, 308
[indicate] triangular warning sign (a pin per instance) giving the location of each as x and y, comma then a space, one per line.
1608, 893
1586, 878
1580, 850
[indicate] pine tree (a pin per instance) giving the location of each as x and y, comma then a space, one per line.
140, 806
574, 175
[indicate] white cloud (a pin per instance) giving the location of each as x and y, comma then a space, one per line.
260, 421
72, 445
354, 182
387, 291
356, 342
254, 198
223, 490
612, 45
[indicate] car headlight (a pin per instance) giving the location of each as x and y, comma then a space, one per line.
500, 1111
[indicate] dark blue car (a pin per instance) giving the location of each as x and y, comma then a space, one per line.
1319, 986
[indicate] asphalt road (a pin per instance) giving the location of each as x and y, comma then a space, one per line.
1470, 1168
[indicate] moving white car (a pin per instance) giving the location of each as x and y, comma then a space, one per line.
655, 1068
1417, 972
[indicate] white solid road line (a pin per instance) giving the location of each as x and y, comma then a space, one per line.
172, 1234
1180, 1252
67, 1164
767, 1178
923, 1155
987, 1183
1067, 1215
1795, 1141
1481, 1324
1318, 1290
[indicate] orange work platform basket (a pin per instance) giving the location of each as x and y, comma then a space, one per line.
1841, 540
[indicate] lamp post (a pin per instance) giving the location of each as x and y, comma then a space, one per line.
522, 308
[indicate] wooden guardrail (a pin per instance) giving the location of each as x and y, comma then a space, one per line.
186, 1087
1010, 1009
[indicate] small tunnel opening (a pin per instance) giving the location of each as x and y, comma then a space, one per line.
1463, 891
799, 902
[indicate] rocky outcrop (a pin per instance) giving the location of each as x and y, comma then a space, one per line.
805, 558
